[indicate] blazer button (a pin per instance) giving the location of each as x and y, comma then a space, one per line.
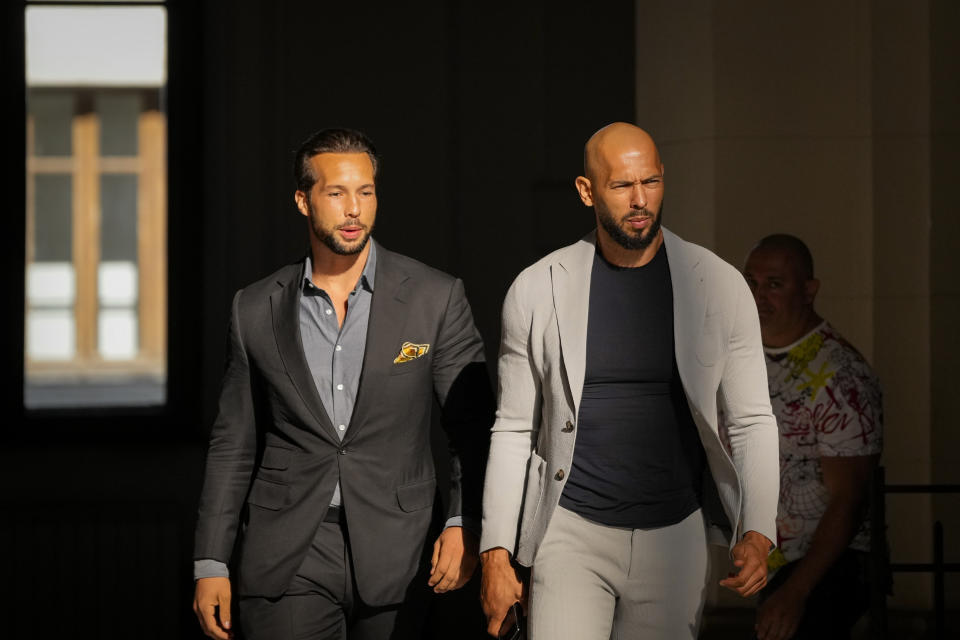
568, 427
342, 452
559, 475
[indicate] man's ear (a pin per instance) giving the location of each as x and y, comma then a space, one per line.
301, 199
810, 289
585, 189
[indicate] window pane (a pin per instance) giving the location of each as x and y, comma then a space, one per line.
118, 114
117, 284
51, 285
50, 334
118, 334
53, 238
96, 207
52, 112
118, 225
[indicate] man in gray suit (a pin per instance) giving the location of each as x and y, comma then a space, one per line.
606, 469
320, 488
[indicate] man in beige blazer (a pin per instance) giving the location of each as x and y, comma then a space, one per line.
606, 470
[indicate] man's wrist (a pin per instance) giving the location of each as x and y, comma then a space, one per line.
497, 555
758, 540
796, 588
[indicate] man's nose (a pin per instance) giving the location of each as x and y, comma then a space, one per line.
353, 206
759, 293
638, 199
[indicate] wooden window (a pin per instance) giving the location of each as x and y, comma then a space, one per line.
96, 246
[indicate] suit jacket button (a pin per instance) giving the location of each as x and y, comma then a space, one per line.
342, 452
559, 475
568, 427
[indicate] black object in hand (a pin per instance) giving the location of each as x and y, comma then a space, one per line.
513, 624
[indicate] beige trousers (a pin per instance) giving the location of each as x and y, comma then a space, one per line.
594, 582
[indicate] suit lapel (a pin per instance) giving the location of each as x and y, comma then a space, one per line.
570, 279
285, 308
384, 330
689, 304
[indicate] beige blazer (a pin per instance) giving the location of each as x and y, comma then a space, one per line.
541, 370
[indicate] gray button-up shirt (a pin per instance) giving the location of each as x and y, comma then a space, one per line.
335, 352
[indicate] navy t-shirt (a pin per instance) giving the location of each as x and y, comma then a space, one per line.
638, 461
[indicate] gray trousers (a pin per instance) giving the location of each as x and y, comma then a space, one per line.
322, 603
594, 582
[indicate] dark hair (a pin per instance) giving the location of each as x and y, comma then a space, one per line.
330, 141
791, 244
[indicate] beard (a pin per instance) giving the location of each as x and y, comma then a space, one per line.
330, 239
628, 239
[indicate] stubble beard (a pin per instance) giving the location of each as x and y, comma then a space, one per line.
627, 240
332, 242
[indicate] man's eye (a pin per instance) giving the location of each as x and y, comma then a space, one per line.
334, 194
366, 193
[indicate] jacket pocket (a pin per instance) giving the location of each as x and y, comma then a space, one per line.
276, 458
403, 368
417, 496
268, 495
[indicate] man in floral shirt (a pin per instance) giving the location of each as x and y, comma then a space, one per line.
828, 406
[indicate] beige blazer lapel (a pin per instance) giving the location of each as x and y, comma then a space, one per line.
689, 309
570, 280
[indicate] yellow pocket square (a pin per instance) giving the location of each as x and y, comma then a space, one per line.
410, 351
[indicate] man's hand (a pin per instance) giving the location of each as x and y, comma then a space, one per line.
454, 559
500, 588
779, 616
750, 556
211, 603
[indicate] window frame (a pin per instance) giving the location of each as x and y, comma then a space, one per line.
149, 169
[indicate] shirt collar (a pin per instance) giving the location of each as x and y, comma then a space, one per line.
366, 278
777, 351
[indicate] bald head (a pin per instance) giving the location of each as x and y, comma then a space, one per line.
623, 182
779, 271
794, 250
614, 141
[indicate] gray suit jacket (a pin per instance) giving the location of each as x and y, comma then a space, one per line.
274, 457
541, 371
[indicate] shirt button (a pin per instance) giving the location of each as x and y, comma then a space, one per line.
559, 475
339, 387
339, 347
341, 427
328, 311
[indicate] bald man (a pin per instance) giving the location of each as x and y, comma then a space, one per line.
829, 409
606, 472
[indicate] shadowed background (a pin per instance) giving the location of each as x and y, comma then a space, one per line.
834, 121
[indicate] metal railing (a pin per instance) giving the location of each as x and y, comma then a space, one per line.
880, 568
